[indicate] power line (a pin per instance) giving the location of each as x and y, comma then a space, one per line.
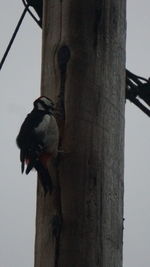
13, 37
38, 8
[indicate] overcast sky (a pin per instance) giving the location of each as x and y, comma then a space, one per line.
19, 86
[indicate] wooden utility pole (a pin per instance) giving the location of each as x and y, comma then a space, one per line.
84, 60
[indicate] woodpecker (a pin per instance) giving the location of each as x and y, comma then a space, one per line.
38, 140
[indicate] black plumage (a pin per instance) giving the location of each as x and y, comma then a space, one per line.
38, 136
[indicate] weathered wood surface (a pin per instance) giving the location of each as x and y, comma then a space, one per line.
90, 174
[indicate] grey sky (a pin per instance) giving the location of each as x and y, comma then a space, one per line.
20, 85
137, 167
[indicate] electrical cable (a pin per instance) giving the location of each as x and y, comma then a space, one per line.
135, 89
13, 37
26, 9
29, 11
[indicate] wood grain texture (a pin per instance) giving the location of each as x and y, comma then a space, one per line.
90, 173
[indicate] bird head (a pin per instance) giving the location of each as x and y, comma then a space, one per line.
44, 103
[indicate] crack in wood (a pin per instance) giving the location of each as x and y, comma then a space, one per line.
63, 58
